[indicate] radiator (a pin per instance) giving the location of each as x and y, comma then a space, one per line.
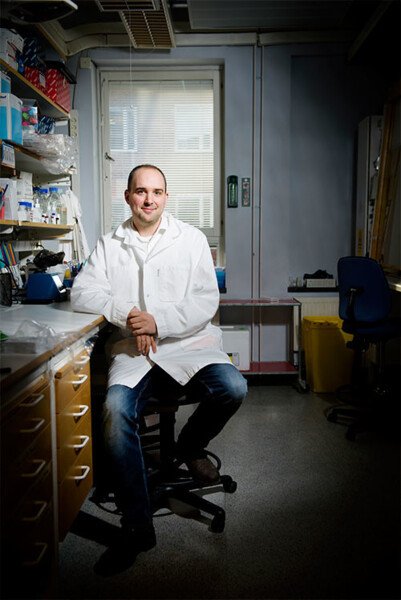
324, 306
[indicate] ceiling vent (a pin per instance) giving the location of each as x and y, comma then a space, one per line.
119, 5
149, 28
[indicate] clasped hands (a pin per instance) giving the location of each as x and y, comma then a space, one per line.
143, 327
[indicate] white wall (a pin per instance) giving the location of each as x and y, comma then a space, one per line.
290, 117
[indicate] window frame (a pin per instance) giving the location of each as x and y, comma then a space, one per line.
161, 73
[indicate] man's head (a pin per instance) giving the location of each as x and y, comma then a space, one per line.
146, 195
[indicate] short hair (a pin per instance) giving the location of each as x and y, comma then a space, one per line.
145, 166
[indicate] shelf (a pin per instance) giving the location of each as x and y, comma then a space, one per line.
271, 302
26, 160
312, 289
271, 368
35, 231
21, 87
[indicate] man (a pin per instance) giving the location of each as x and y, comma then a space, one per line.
154, 278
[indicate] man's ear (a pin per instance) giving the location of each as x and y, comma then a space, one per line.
126, 196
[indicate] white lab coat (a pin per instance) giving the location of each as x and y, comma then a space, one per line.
175, 282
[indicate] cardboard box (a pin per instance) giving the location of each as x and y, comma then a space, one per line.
10, 118
237, 344
5, 83
11, 45
36, 76
10, 39
58, 88
323, 283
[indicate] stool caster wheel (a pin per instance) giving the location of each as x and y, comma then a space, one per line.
332, 417
229, 485
217, 524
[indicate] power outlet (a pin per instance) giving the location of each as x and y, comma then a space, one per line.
85, 62
74, 123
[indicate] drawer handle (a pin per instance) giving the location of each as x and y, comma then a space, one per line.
42, 547
84, 409
36, 398
42, 506
41, 464
85, 439
83, 360
84, 377
36, 427
85, 471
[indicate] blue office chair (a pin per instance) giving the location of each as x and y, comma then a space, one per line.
364, 306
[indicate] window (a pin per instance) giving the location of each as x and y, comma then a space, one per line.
170, 119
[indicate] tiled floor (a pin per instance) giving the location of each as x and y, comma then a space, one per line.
314, 516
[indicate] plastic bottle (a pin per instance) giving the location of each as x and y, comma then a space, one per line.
44, 203
36, 208
24, 211
54, 202
62, 209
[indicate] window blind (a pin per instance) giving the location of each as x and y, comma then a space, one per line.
169, 123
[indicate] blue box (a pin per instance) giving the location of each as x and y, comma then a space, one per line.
10, 118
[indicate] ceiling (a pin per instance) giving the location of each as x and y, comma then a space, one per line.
370, 27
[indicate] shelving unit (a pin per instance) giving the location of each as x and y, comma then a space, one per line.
23, 88
269, 367
30, 161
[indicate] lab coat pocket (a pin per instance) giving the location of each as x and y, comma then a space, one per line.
172, 283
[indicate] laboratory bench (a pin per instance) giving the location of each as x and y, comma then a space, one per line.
46, 439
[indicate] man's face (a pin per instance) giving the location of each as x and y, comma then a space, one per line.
147, 197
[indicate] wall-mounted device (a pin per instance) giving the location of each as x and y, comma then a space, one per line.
246, 191
232, 191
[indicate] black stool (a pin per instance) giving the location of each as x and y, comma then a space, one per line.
167, 480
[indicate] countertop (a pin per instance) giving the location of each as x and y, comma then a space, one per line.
23, 354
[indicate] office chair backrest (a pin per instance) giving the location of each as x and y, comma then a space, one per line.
364, 292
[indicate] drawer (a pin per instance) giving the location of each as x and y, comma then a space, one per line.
71, 379
25, 423
20, 475
74, 490
75, 411
72, 444
29, 566
33, 512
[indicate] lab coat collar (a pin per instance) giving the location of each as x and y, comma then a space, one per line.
172, 229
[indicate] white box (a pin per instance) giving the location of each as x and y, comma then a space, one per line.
237, 344
11, 39
10, 198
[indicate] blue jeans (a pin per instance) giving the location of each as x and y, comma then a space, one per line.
219, 389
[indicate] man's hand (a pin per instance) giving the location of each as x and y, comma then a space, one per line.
143, 327
144, 343
141, 322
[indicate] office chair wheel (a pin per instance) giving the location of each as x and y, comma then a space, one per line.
229, 485
332, 417
350, 434
218, 523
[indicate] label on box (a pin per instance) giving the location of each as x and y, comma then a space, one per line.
7, 155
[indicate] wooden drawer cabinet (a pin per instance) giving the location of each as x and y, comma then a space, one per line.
27, 511
74, 438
